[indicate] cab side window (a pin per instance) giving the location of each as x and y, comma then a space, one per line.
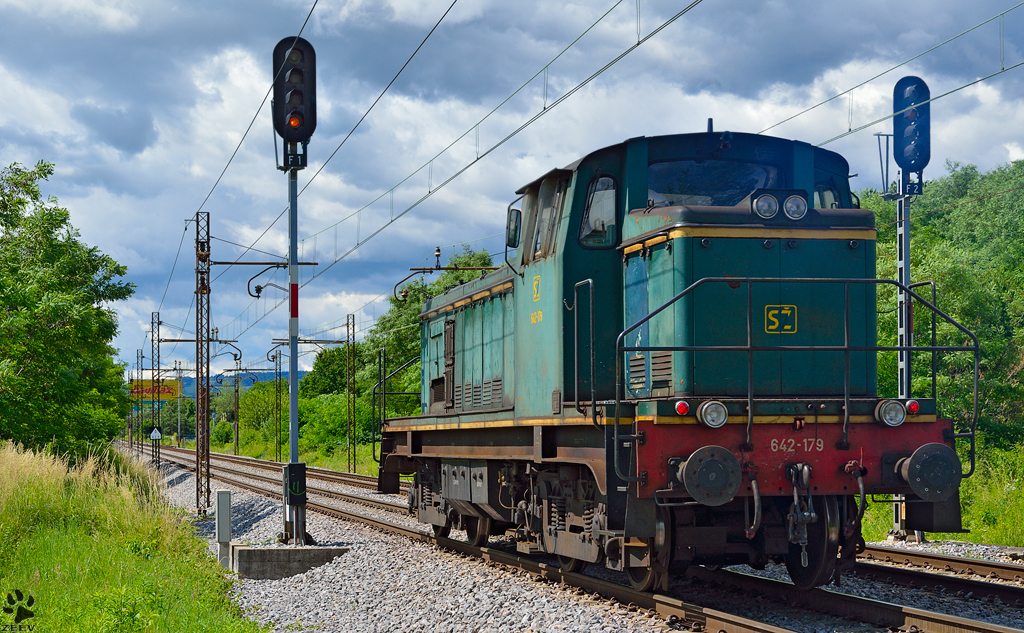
597, 230
545, 230
826, 194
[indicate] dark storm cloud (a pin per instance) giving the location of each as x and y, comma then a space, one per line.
129, 130
132, 88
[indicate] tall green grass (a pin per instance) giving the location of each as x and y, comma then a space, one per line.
991, 502
98, 550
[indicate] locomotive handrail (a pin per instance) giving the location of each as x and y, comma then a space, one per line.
750, 348
379, 424
576, 352
935, 302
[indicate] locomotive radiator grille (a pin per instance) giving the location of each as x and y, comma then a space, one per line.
661, 370
487, 395
477, 396
637, 371
496, 394
458, 396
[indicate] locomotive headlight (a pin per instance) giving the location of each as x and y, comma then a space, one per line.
766, 206
890, 412
712, 413
795, 207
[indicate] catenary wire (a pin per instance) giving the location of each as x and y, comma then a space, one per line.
508, 137
173, 266
365, 114
257, 113
249, 248
511, 135
885, 72
945, 94
379, 97
473, 127
333, 325
234, 153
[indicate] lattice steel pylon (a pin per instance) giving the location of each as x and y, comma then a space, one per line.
202, 362
137, 443
155, 382
350, 339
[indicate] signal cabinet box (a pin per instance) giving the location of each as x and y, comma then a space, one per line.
295, 484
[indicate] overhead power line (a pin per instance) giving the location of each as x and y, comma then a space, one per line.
885, 72
494, 147
232, 157
944, 94
473, 127
361, 119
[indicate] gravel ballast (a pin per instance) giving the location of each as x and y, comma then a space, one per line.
388, 583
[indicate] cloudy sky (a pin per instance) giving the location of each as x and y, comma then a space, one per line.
140, 104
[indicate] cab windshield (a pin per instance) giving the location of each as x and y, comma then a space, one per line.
719, 183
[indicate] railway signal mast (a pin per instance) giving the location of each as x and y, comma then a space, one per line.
911, 151
294, 114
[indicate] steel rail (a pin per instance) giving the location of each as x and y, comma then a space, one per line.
971, 578
971, 566
675, 610
323, 492
844, 605
351, 479
956, 585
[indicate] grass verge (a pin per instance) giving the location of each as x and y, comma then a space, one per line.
97, 550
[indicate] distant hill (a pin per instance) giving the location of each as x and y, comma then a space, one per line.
189, 384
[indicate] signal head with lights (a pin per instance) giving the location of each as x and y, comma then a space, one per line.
911, 124
294, 73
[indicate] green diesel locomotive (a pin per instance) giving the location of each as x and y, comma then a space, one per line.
677, 365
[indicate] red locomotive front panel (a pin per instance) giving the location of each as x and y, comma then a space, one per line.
874, 450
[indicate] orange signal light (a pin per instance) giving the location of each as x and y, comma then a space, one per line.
295, 120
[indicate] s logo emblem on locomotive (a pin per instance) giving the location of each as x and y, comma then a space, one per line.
780, 319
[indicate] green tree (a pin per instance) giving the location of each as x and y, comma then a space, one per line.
256, 407
59, 384
968, 236
398, 330
328, 373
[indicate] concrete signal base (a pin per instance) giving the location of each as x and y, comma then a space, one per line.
274, 563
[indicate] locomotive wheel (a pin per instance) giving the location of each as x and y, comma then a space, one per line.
442, 531
644, 578
478, 531
570, 564
822, 548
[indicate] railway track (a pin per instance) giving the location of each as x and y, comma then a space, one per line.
677, 611
965, 577
312, 472
271, 482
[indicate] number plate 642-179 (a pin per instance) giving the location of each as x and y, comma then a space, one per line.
793, 444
